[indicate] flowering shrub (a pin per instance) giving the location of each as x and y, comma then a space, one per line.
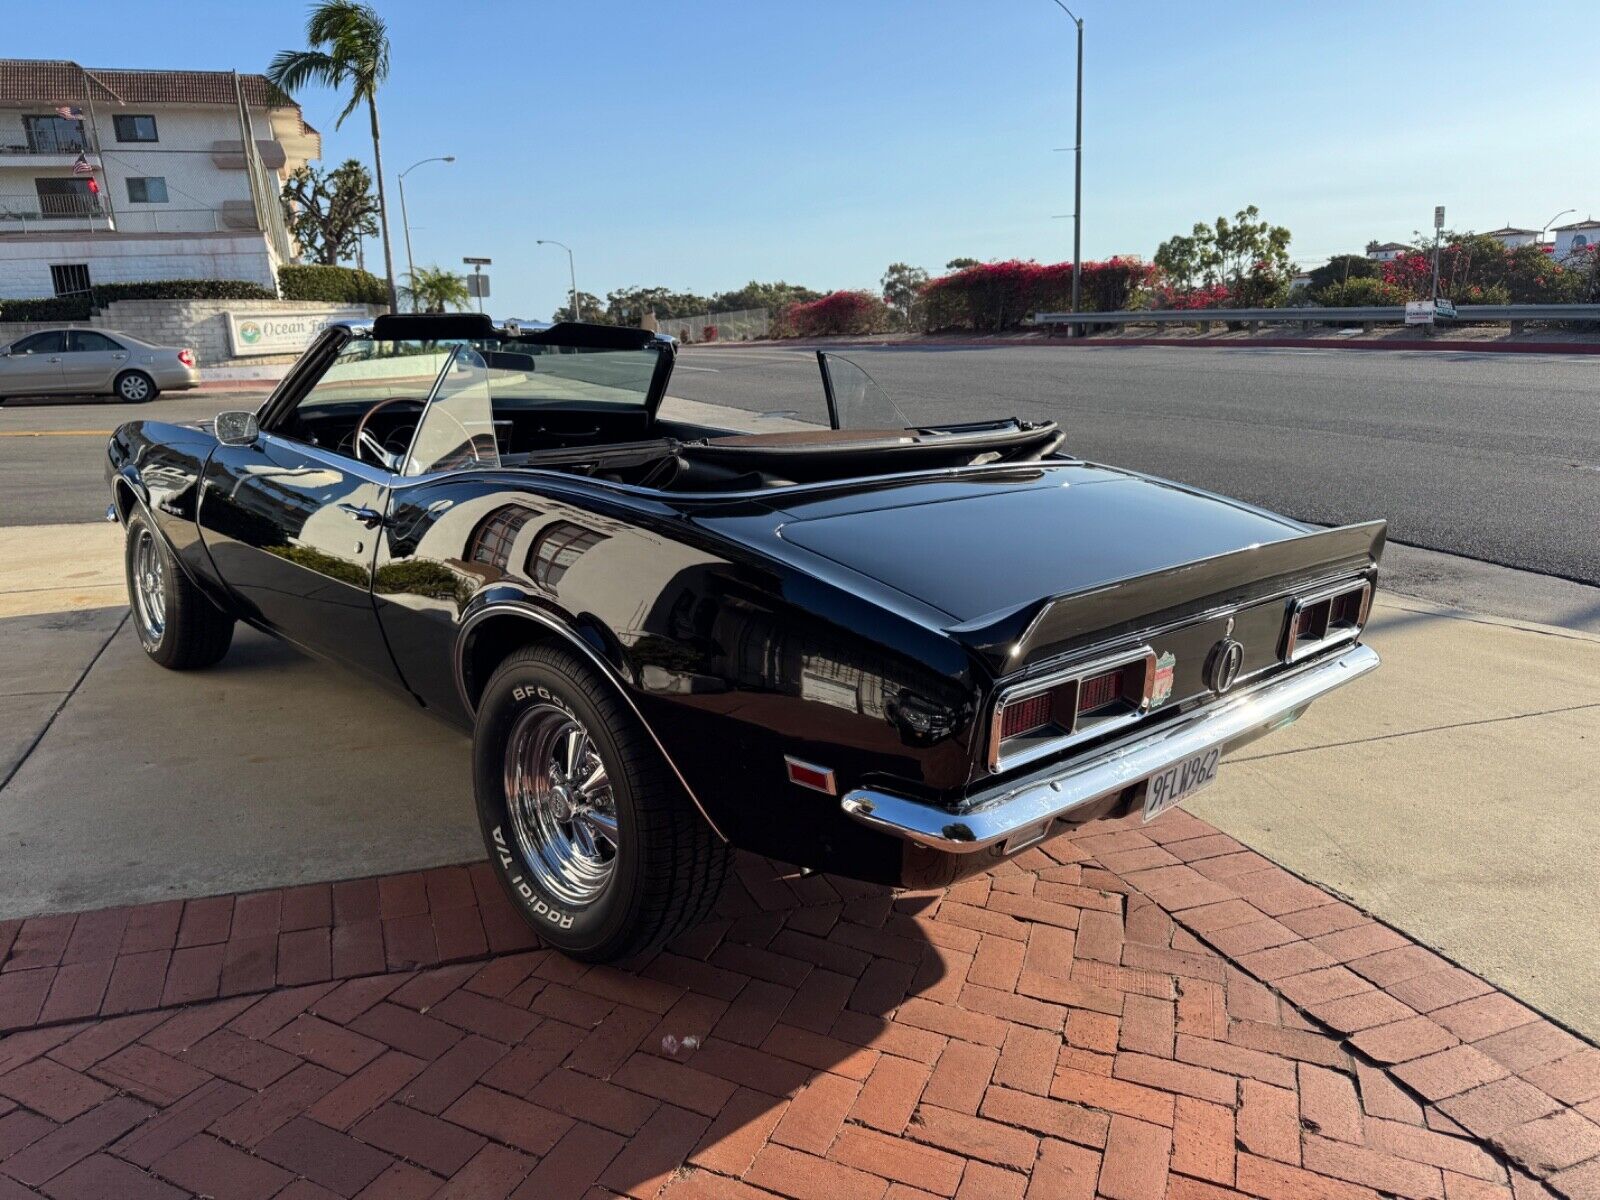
1215, 296
1361, 292
835, 313
996, 296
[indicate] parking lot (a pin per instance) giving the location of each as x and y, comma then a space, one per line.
1287, 961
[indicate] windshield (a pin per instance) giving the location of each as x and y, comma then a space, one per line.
855, 401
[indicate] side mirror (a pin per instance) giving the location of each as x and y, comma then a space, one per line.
237, 428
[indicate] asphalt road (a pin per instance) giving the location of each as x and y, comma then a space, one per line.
1491, 456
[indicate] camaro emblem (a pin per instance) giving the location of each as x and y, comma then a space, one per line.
1222, 668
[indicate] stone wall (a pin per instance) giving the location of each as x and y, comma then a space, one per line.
199, 324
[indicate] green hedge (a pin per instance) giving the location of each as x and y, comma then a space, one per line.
335, 285
77, 308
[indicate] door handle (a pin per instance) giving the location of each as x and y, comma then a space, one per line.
55, 360
119, 357
370, 517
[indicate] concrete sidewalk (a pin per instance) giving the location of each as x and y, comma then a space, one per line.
1452, 793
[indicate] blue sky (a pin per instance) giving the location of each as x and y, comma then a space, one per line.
699, 145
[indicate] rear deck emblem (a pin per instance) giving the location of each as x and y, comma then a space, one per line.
1161, 691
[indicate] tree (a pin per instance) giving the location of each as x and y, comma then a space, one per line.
960, 264
774, 297
902, 291
1247, 256
1340, 269
627, 306
434, 289
590, 309
329, 212
349, 46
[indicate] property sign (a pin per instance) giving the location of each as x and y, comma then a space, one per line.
283, 332
1419, 312
1445, 308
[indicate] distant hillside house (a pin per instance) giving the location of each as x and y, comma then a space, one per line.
111, 176
1511, 237
1386, 251
1576, 238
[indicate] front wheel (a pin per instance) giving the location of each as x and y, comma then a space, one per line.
177, 626
587, 828
135, 387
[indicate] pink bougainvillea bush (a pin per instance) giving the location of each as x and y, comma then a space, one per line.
836, 313
996, 296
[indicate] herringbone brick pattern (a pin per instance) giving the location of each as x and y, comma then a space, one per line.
1131, 1013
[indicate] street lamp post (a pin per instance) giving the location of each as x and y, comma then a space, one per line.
572, 274
1552, 221
405, 223
1077, 176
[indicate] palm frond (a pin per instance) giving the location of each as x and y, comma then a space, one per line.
293, 69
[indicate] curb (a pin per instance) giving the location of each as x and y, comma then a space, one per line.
1418, 344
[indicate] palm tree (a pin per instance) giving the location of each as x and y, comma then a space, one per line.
434, 289
349, 45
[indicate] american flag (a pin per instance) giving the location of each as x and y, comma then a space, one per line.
81, 165
70, 112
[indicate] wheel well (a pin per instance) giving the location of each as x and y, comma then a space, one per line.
488, 644
124, 499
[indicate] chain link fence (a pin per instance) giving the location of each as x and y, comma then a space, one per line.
746, 324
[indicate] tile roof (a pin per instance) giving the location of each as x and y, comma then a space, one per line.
60, 81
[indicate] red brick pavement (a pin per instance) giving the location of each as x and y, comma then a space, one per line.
1130, 1013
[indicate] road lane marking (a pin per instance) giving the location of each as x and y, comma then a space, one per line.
57, 432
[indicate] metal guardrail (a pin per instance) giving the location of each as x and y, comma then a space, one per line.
1309, 315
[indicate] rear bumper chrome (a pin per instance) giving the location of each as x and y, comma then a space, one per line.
1022, 811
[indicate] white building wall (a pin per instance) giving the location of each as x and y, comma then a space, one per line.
1568, 240
25, 262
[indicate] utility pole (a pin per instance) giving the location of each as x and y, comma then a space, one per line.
1077, 178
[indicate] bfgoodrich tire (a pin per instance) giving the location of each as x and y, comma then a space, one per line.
587, 828
177, 626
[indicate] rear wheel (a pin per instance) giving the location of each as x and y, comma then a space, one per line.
177, 626
135, 387
588, 829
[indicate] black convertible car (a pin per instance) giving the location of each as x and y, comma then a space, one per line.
891, 651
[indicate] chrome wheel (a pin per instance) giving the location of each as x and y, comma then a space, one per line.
563, 810
149, 586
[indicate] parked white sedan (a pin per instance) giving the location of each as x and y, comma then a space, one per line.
96, 363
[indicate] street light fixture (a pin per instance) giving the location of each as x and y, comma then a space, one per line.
1552, 221
572, 274
405, 223
1077, 175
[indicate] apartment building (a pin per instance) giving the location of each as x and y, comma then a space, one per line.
112, 176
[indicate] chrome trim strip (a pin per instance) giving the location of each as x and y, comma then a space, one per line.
572, 639
1010, 810
1041, 683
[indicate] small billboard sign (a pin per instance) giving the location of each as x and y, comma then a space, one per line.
1419, 312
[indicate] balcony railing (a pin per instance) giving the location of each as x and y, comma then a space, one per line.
45, 141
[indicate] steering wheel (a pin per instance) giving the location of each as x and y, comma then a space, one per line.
363, 440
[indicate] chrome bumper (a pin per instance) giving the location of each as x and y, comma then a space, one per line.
1023, 811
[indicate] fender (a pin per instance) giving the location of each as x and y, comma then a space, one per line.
575, 641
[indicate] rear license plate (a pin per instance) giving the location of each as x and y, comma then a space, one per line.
1179, 781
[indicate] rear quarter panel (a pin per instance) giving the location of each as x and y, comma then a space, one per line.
732, 659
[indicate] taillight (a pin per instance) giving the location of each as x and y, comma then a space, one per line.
1325, 618
1026, 715
1042, 716
1101, 690
186, 357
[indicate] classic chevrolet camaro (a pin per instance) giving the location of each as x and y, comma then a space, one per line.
892, 651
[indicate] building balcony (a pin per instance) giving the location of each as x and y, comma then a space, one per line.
43, 148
